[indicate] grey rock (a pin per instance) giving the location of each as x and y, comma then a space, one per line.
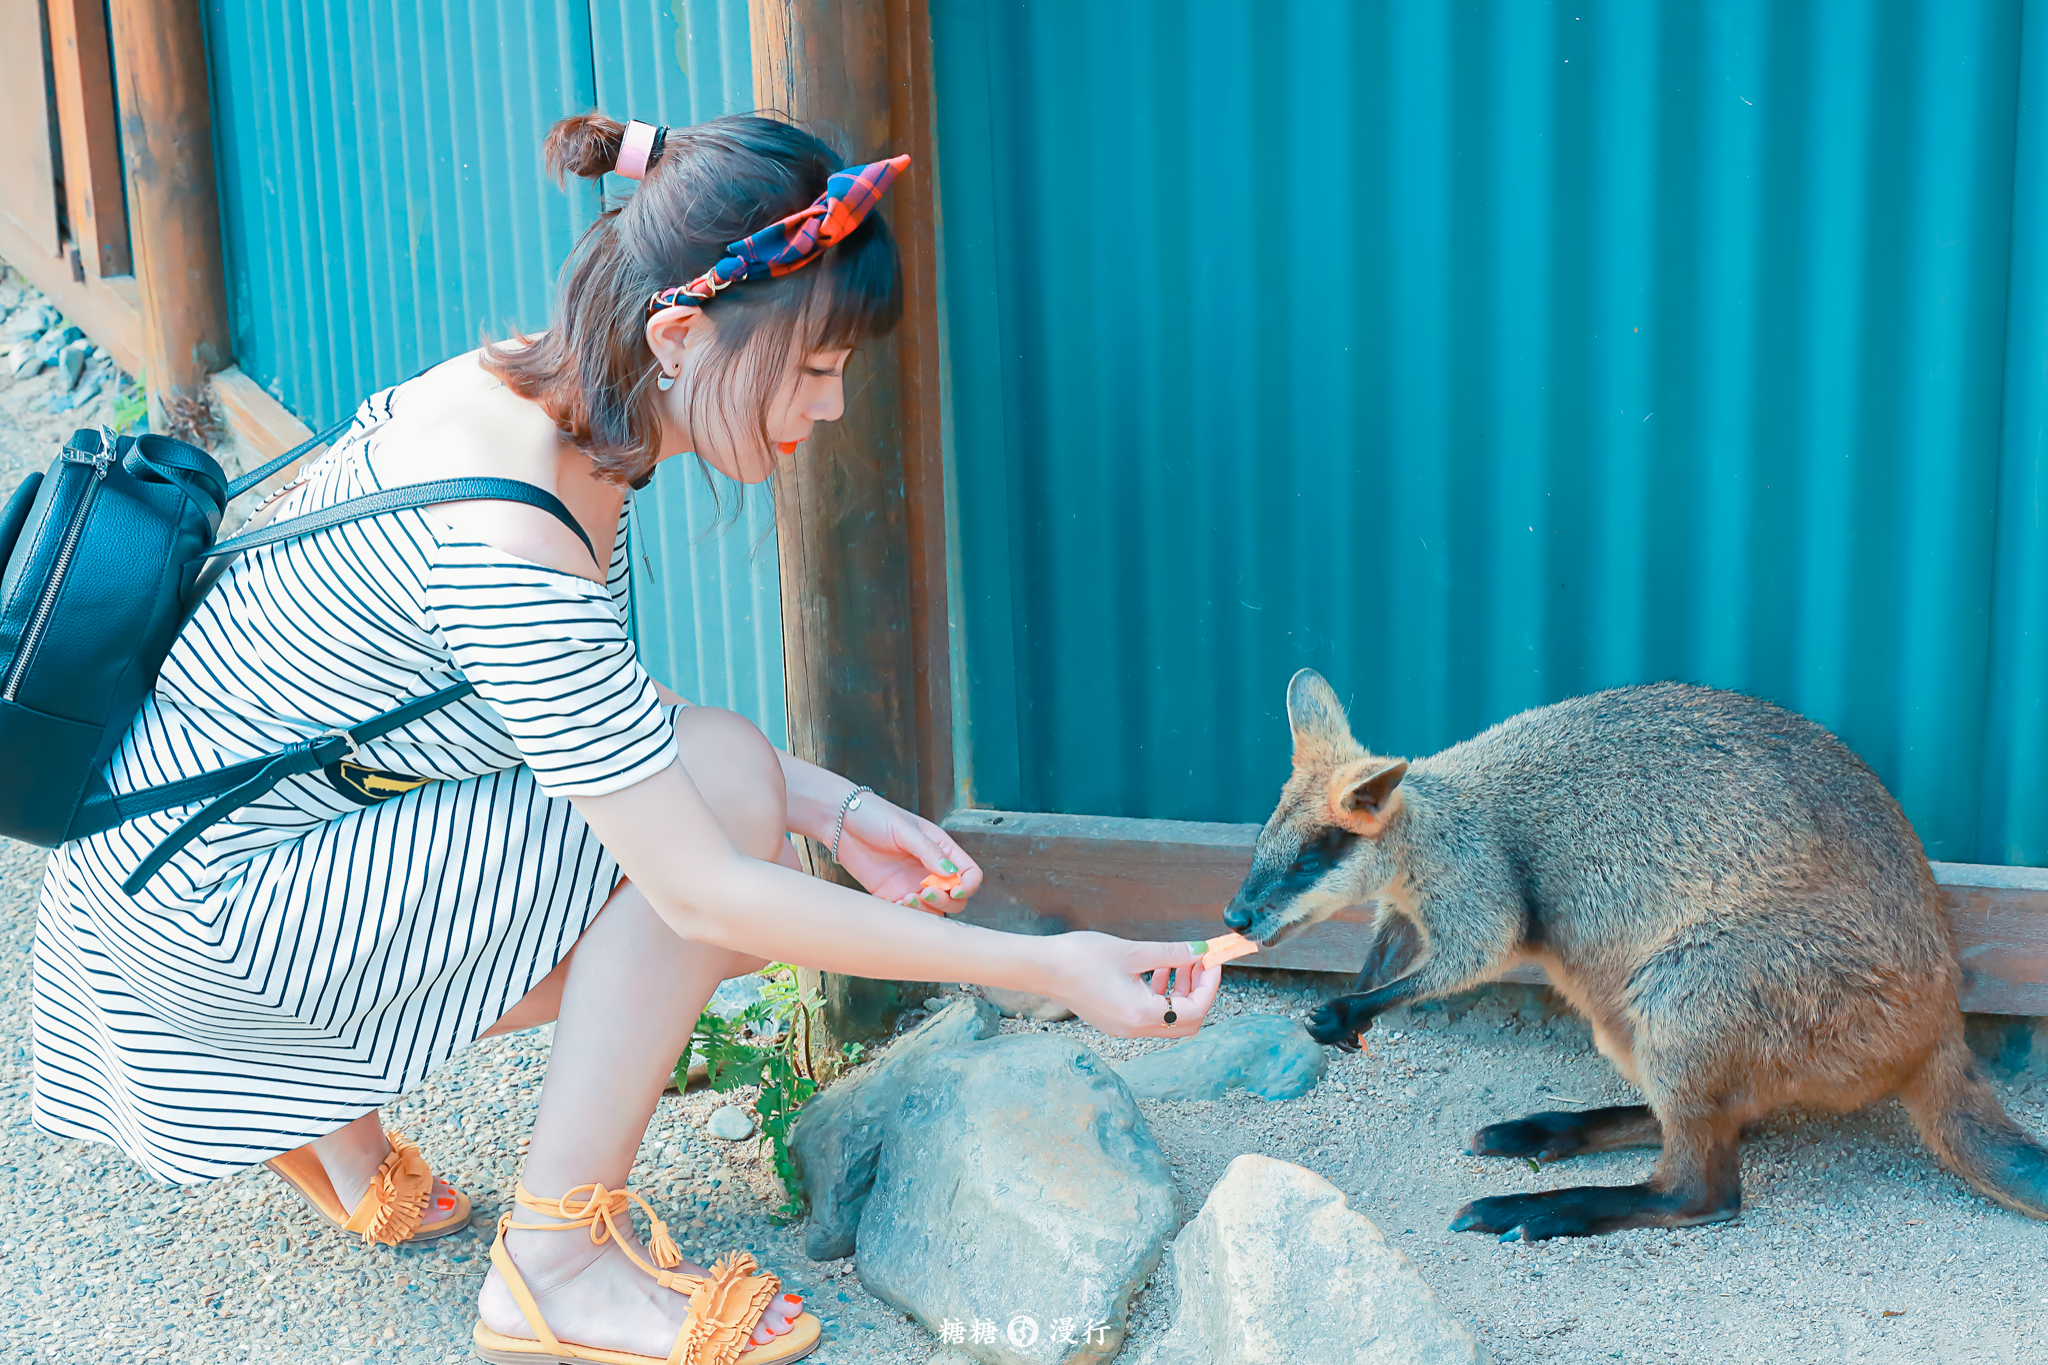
1025, 1005
1269, 1055
949, 1356
1019, 1182
730, 1122
1277, 1268
837, 1138
55, 340
71, 363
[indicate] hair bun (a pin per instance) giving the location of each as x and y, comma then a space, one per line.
585, 145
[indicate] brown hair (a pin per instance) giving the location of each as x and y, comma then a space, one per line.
710, 184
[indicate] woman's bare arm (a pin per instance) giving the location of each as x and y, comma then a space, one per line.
671, 845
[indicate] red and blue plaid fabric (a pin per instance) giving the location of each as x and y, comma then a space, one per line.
797, 240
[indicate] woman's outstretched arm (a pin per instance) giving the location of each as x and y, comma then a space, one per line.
671, 845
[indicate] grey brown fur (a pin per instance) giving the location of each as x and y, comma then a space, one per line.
1724, 890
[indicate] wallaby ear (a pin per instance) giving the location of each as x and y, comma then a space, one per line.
1362, 794
1317, 719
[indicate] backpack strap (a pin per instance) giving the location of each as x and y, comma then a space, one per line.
402, 499
256, 476
230, 788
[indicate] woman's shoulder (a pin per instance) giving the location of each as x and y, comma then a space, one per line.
457, 421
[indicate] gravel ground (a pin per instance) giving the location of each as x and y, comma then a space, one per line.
1853, 1245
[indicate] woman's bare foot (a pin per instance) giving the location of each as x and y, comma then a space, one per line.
596, 1296
351, 1156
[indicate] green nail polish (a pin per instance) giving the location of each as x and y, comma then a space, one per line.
958, 893
946, 866
1198, 946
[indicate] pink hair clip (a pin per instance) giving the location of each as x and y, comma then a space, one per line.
636, 148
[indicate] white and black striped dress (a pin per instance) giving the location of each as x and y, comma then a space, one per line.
313, 956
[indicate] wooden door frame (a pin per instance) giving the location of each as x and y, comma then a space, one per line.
142, 273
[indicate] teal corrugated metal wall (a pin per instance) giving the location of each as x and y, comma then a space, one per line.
384, 202
1483, 354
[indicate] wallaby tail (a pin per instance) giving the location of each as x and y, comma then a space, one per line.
1961, 1120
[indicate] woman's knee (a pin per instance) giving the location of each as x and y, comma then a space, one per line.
738, 771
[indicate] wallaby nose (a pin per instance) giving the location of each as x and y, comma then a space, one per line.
1238, 918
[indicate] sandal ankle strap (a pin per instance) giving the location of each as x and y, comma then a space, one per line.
725, 1305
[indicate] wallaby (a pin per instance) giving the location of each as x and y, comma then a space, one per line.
1728, 895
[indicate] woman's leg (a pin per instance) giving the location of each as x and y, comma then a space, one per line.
352, 1154
627, 1004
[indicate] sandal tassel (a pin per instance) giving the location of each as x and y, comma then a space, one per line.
724, 1307
396, 1202
666, 1255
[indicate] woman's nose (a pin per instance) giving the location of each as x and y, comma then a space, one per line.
830, 404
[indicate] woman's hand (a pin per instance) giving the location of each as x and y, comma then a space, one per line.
1100, 977
891, 852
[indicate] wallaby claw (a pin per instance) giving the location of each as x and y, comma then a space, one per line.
1332, 1025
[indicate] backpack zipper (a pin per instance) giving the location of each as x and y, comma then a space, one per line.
47, 603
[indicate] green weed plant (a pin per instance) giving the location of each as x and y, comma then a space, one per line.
768, 1044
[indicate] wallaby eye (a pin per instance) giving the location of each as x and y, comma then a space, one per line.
1317, 857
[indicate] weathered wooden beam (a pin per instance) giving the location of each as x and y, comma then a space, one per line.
259, 421
841, 520
913, 129
1168, 879
857, 606
174, 224
92, 155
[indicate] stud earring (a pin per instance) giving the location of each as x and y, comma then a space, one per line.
666, 382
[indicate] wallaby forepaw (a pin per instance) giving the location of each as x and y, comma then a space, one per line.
1330, 1024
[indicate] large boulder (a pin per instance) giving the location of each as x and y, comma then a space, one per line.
1277, 1268
1019, 1188
1267, 1054
838, 1135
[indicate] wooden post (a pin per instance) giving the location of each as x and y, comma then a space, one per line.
860, 507
92, 156
174, 225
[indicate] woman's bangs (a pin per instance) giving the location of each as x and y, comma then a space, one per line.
860, 297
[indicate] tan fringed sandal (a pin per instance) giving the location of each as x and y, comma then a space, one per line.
394, 1208
727, 1306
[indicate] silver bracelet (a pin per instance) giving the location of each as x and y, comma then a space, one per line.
850, 804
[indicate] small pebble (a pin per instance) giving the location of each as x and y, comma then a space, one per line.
731, 1123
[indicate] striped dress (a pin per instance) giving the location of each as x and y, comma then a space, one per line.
322, 950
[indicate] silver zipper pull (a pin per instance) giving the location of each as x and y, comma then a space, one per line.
109, 442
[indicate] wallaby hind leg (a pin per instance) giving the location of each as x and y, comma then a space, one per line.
1699, 1180
1555, 1135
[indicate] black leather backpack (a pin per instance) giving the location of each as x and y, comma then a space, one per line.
106, 555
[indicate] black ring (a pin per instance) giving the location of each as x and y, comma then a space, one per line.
1170, 1015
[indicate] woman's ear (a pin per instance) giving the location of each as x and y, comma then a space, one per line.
668, 334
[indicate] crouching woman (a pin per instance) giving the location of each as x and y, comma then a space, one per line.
572, 842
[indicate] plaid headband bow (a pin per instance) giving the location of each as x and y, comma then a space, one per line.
795, 241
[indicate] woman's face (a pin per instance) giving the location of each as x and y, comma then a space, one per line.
809, 391
813, 390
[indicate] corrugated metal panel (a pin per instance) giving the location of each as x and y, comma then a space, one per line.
385, 202
710, 598
1481, 355
382, 192
2016, 779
